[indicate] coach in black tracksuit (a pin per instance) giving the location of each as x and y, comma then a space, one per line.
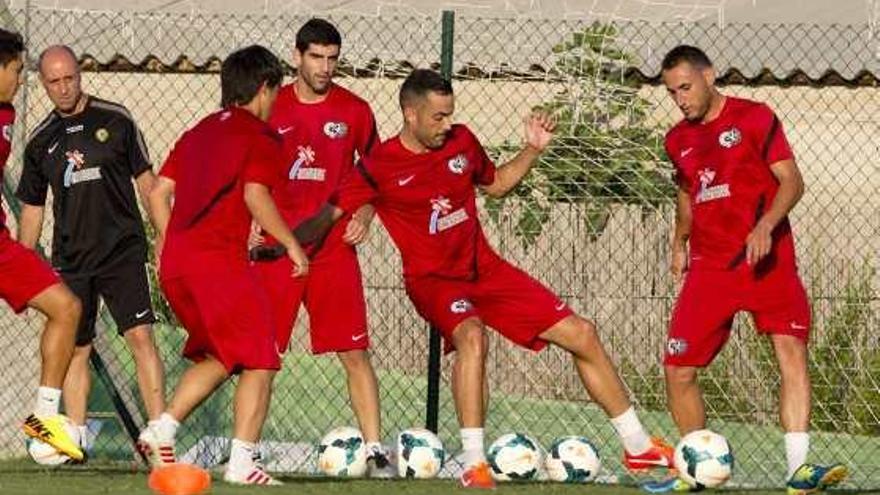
87, 150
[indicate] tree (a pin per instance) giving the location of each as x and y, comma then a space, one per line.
605, 151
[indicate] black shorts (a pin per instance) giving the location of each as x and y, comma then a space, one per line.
123, 285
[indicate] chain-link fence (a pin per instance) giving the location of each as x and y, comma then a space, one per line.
592, 221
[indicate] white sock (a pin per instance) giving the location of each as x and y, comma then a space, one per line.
797, 444
241, 456
632, 434
82, 431
375, 447
48, 401
166, 426
472, 446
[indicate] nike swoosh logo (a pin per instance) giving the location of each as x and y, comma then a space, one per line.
141, 314
685, 152
405, 181
53, 147
796, 326
356, 338
285, 130
560, 306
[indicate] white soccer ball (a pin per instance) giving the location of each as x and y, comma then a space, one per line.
420, 454
45, 454
514, 456
704, 457
342, 452
572, 460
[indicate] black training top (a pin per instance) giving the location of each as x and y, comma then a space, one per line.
88, 159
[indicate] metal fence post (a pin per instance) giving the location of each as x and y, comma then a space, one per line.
435, 351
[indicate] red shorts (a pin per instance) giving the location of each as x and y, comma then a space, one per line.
227, 315
23, 274
503, 297
703, 316
333, 295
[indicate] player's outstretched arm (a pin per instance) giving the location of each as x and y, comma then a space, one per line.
30, 225
539, 127
262, 207
683, 219
791, 188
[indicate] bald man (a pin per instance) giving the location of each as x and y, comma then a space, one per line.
88, 150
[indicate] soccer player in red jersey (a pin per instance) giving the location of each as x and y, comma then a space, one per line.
733, 245
220, 174
324, 127
27, 281
421, 183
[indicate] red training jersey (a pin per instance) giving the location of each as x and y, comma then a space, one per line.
428, 204
724, 165
210, 165
321, 143
7, 118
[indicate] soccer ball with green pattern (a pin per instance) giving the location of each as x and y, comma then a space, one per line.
420, 454
342, 453
572, 460
704, 457
514, 456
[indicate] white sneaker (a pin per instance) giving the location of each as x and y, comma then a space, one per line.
256, 475
160, 452
379, 463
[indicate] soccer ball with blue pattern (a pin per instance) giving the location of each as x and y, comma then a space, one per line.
572, 460
704, 457
514, 456
420, 454
342, 452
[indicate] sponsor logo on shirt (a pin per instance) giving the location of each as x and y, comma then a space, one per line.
75, 128
75, 172
730, 138
458, 164
708, 192
7, 133
442, 216
335, 130
460, 306
102, 135
305, 156
676, 347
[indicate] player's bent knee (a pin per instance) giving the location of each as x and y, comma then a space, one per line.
354, 360
471, 336
681, 375
140, 339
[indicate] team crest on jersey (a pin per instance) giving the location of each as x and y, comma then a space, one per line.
335, 130
458, 163
676, 347
707, 191
442, 216
460, 306
730, 138
7, 132
102, 135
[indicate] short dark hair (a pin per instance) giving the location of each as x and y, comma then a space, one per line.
244, 71
419, 82
319, 32
11, 46
686, 53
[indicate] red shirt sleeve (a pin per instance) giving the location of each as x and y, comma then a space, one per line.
772, 143
678, 174
368, 135
484, 169
170, 168
263, 162
358, 189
